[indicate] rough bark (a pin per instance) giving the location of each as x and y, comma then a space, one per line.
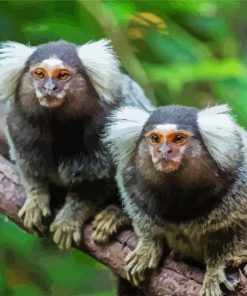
173, 278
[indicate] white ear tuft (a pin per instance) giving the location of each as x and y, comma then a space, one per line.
124, 130
220, 135
13, 57
102, 67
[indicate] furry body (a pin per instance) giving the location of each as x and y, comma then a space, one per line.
200, 208
62, 145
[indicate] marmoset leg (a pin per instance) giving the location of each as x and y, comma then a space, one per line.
68, 222
36, 205
147, 253
33, 161
107, 222
222, 248
214, 276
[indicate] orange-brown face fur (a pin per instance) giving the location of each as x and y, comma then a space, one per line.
51, 79
167, 147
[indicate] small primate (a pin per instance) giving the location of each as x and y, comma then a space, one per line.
60, 95
182, 174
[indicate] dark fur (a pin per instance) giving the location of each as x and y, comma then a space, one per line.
174, 198
62, 145
64, 142
191, 207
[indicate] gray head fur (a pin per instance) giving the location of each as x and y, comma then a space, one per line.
97, 58
215, 126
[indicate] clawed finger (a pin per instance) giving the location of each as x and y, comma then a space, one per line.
97, 220
77, 237
31, 213
46, 212
61, 244
57, 236
135, 278
64, 235
99, 236
130, 263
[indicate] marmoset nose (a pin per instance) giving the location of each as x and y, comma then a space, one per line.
49, 85
165, 149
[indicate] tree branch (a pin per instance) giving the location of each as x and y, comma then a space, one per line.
174, 278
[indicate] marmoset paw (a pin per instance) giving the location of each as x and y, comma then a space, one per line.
32, 212
66, 231
146, 256
107, 223
211, 289
212, 281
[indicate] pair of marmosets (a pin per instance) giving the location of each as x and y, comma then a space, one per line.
75, 120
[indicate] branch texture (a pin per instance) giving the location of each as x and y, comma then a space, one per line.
174, 278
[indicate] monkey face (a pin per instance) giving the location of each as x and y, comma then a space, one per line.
51, 79
167, 145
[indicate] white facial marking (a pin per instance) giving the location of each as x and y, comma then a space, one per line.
13, 57
61, 94
52, 62
181, 150
197, 150
152, 152
218, 129
122, 134
166, 127
102, 67
38, 93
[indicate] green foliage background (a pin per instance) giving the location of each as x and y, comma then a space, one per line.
184, 52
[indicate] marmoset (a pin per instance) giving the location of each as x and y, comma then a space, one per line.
60, 95
182, 174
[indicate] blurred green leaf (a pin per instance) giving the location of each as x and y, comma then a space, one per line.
185, 52
177, 75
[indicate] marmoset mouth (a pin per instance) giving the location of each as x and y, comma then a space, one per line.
167, 165
50, 102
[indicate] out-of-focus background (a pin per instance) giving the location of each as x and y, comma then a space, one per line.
184, 52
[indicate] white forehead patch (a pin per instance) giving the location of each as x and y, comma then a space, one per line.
52, 63
166, 127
